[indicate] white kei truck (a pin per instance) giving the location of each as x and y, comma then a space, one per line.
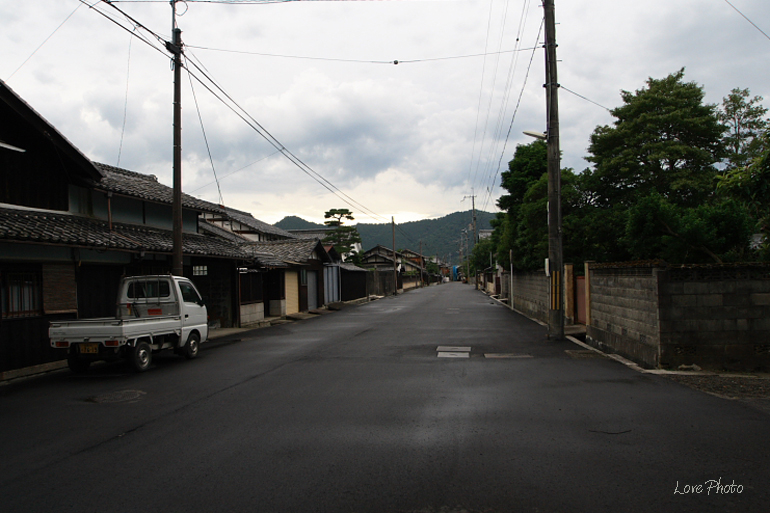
153, 313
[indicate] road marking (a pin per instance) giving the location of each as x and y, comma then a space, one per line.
452, 354
454, 349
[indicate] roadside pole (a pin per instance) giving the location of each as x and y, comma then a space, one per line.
555, 250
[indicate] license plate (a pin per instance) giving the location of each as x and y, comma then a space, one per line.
89, 348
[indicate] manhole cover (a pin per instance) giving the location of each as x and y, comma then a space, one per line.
121, 396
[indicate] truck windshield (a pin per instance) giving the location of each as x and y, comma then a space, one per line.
145, 289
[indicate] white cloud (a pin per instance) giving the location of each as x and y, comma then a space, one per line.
400, 139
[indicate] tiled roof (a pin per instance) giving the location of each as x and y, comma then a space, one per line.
294, 250
313, 233
351, 267
213, 229
31, 116
251, 221
146, 187
40, 226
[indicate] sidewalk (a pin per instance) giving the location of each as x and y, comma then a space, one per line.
749, 388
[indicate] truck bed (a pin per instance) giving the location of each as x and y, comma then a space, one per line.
112, 328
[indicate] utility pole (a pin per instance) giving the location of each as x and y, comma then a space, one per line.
175, 47
473, 203
421, 284
395, 271
555, 251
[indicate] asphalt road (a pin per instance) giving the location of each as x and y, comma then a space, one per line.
355, 412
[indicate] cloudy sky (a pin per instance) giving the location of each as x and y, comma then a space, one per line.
409, 140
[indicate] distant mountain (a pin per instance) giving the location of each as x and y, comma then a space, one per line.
296, 223
440, 237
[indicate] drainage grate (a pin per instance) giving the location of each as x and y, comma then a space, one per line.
582, 353
506, 355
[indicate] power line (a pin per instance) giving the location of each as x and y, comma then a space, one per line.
242, 113
584, 98
747, 19
46, 40
205, 139
125, 103
233, 172
356, 61
262, 131
513, 118
504, 103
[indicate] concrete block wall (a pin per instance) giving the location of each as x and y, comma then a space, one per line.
716, 317
624, 312
252, 314
530, 293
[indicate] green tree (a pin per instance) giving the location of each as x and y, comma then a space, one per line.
664, 140
711, 232
745, 121
529, 164
482, 253
336, 216
343, 238
750, 185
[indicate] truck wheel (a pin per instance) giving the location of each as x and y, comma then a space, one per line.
76, 364
193, 346
141, 356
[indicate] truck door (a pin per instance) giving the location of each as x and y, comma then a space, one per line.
194, 314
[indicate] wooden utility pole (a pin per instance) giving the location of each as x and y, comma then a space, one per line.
555, 251
175, 47
473, 204
421, 282
395, 271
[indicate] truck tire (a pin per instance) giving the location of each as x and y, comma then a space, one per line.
193, 346
141, 356
76, 364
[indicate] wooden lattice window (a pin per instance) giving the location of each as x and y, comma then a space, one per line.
21, 294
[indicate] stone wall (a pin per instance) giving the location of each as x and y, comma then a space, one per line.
531, 295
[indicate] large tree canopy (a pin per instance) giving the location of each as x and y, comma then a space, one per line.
652, 192
664, 140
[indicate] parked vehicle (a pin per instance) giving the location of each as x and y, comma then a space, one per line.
153, 313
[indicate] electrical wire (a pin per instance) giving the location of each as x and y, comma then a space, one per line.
356, 61
747, 19
504, 104
238, 110
561, 86
230, 103
233, 172
513, 118
125, 103
481, 92
205, 139
45, 41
